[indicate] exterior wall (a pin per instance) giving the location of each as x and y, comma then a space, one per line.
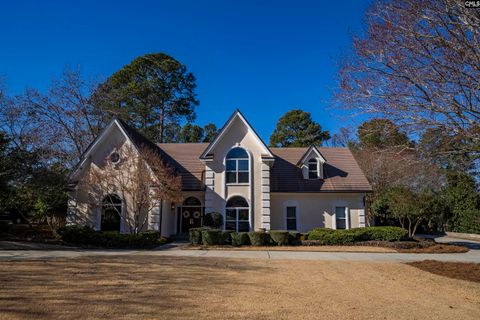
238, 135
316, 210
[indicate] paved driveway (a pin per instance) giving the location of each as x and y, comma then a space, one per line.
175, 250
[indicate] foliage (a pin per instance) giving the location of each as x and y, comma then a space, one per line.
213, 219
349, 236
191, 133
227, 237
212, 237
259, 238
297, 129
85, 236
280, 238
240, 239
380, 134
151, 92
196, 235
209, 132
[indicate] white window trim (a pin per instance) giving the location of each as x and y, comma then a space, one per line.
236, 223
340, 203
236, 159
291, 203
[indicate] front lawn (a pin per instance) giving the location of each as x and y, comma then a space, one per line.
152, 287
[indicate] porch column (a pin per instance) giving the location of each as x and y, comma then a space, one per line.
154, 218
209, 189
265, 196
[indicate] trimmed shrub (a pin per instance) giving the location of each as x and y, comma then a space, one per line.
349, 236
240, 239
213, 220
212, 237
259, 238
227, 237
295, 238
280, 238
85, 236
386, 233
195, 235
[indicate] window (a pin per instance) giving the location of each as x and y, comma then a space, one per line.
115, 157
111, 210
291, 218
237, 166
192, 201
237, 215
341, 215
312, 169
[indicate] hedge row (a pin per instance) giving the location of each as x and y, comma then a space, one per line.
325, 236
87, 237
209, 237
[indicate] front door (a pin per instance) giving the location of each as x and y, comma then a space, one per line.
191, 218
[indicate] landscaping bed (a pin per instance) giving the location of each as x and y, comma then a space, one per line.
454, 270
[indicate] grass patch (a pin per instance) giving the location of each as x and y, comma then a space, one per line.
454, 270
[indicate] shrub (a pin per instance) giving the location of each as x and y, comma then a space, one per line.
295, 238
259, 238
211, 237
227, 237
386, 233
240, 239
280, 238
339, 237
213, 220
85, 236
196, 235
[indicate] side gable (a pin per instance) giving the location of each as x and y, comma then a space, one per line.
208, 152
310, 150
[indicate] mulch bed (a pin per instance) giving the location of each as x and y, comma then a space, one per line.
454, 270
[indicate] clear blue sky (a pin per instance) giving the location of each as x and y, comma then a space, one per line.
263, 57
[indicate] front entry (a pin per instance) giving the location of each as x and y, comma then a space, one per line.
191, 218
191, 214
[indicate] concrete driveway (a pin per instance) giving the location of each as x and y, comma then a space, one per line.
175, 250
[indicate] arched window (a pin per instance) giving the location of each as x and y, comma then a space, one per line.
111, 212
312, 169
236, 215
237, 166
192, 201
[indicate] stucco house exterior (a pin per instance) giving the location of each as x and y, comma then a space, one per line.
253, 186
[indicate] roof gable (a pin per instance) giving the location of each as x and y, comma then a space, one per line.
207, 153
310, 150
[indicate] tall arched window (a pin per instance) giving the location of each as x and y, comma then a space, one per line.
111, 211
236, 215
312, 169
192, 201
237, 166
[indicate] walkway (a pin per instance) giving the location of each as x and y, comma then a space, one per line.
175, 250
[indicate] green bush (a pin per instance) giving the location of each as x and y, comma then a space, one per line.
240, 239
349, 236
196, 235
227, 237
212, 237
259, 238
213, 220
295, 238
85, 236
280, 238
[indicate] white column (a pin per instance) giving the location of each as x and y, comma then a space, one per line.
209, 189
265, 196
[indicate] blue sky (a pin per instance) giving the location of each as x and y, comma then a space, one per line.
263, 57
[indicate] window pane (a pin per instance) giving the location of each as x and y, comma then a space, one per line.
230, 214
312, 175
291, 212
231, 177
231, 165
237, 153
230, 225
340, 212
242, 214
243, 177
237, 202
291, 224
243, 165
341, 224
312, 166
243, 226
192, 201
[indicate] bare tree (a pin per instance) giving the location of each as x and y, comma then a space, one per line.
141, 179
419, 65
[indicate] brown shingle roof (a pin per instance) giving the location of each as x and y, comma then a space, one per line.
186, 156
341, 172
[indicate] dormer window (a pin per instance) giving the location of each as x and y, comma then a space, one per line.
313, 169
237, 166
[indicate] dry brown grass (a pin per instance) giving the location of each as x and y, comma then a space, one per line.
455, 270
141, 287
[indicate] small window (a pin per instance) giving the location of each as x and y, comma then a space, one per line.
237, 166
115, 157
291, 218
312, 169
341, 217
